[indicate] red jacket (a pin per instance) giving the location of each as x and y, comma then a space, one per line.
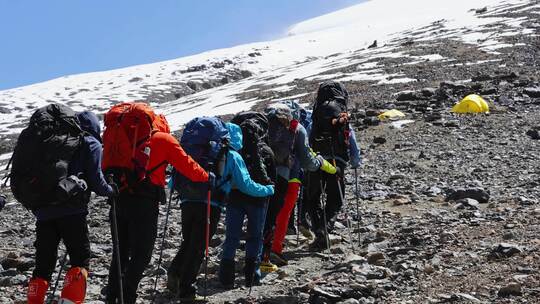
166, 149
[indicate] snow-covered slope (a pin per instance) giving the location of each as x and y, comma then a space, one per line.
230, 80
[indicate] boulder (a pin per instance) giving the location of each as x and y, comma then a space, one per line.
481, 195
532, 92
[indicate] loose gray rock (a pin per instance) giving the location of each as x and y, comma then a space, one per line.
512, 289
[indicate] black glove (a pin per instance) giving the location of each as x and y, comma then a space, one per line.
3, 201
339, 172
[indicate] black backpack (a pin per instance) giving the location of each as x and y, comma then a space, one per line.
328, 139
254, 126
42, 155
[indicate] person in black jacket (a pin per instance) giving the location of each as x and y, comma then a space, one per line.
67, 221
259, 160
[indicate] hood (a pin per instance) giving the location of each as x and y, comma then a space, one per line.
236, 136
89, 122
332, 90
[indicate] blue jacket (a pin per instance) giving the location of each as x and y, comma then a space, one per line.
235, 173
86, 163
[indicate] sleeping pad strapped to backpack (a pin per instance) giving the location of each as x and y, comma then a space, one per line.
206, 140
42, 155
129, 127
330, 140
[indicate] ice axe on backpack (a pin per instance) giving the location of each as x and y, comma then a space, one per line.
116, 243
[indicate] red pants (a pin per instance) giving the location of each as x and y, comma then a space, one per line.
282, 220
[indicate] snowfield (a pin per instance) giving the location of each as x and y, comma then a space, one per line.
310, 51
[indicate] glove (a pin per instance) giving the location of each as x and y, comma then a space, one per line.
212, 180
326, 166
341, 119
115, 190
270, 190
339, 172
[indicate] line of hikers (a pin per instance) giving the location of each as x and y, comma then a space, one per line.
253, 167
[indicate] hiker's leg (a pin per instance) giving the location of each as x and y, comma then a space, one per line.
122, 223
334, 201
142, 236
282, 219
46, 244
74, 233
276, 203
234, 220
196, 248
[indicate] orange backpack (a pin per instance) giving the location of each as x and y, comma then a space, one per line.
126, 141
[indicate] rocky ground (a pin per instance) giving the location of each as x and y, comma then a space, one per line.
448, 205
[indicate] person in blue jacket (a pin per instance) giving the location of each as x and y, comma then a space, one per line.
185, 266
67, 222
259, 160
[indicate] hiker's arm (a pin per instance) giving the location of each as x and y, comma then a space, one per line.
354, 150
242, 180
178, 158
307, 160
94, 176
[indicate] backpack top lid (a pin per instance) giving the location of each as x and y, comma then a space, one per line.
53, 116
252, 122
203, 131
331, 90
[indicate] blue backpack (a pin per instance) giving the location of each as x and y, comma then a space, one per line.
206, 140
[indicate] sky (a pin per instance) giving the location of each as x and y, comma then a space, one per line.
42, 40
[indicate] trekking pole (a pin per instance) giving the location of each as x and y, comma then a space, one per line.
357, 204
325, 222
162, 244
50, 298
207, 241
299, 213
116, 244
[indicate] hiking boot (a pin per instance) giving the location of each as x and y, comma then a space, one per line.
319, 244
252, 273
226, 273
191, 298
278, 259
173, 282
306, 232
267, 267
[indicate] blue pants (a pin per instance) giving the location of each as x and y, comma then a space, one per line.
234, 219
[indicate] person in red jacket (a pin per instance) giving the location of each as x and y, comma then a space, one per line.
137, 214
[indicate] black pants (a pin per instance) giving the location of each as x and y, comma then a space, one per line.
331, 183
188, 260
73, 231
137, 218
275, 205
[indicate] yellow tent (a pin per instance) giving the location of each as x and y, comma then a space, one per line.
471, 104
392, 114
